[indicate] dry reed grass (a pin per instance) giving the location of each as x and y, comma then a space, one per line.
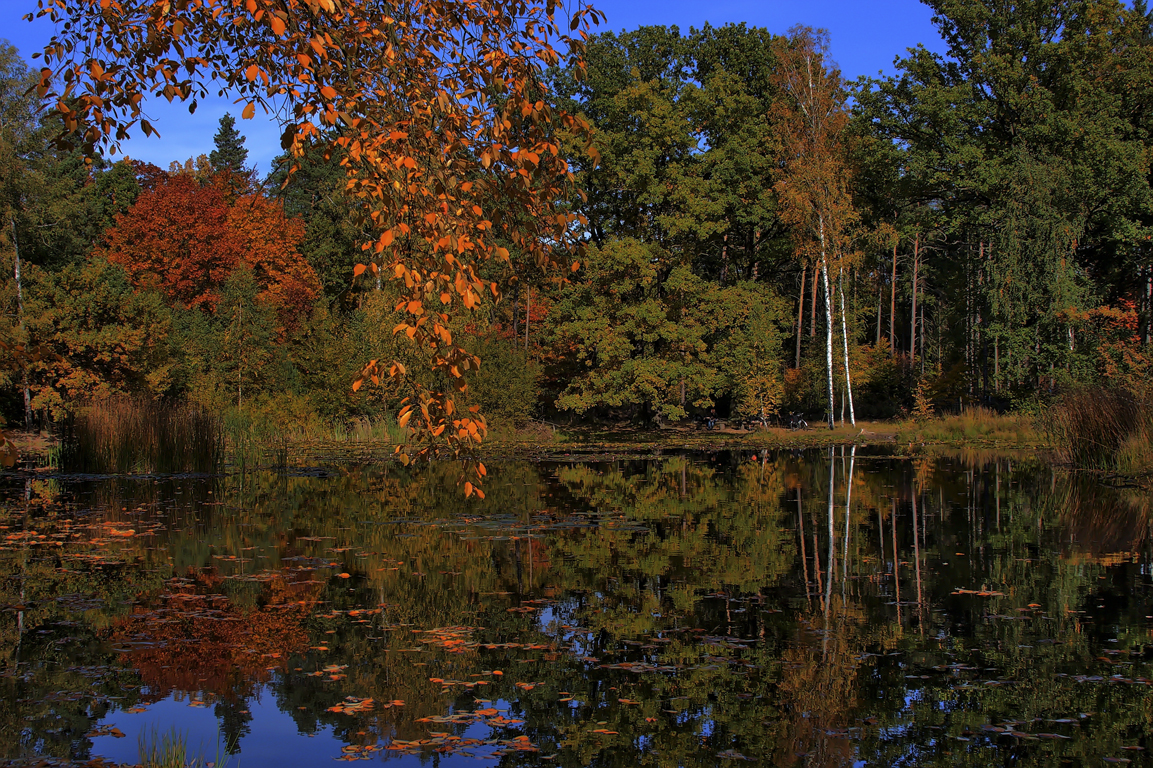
1103, 428
141, 436
975, 424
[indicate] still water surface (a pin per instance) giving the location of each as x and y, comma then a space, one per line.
689, 610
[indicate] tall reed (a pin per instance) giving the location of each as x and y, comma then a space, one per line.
166, 750
1092, 427
170, 750
138, 435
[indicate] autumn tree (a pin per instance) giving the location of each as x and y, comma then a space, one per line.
186, 236
813, 189
443, 116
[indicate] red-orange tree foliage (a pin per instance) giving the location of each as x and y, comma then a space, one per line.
437, 108
186, 237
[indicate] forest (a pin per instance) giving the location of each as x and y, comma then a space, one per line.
750, 235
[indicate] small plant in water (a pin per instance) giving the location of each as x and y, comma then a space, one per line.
170, 750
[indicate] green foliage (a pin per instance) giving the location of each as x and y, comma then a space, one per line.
1028, 138
104, 338
642, 332
230, 152
507, 386
316, 194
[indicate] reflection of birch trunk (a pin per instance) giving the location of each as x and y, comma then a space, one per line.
917, 559
23, 578
848, 507
828, 317
845, 338
830, 565
896, 563
804, 554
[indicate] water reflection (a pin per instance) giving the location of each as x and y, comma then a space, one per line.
826, 608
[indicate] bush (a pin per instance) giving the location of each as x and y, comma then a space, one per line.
507, 385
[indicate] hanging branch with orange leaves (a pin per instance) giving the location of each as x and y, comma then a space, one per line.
435, 107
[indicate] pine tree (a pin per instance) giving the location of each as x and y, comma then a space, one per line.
230, 152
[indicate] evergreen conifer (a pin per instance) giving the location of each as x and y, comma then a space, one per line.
230, 151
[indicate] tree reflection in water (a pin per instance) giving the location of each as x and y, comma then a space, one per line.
950, 609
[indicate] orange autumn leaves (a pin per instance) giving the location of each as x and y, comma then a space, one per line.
437, 110
185, 237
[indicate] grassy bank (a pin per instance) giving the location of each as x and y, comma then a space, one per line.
254, 440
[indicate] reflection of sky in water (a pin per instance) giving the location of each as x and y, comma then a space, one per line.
273, 739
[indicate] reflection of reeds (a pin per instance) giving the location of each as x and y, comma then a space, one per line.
1102, 429
143, 436
1101, 520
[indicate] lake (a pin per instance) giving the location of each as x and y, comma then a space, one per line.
826, 607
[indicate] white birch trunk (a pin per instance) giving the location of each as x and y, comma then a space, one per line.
845, 338
828, 317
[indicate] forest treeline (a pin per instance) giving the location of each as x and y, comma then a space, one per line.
760, 236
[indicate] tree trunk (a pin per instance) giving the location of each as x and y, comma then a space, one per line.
893, 306
724, 259
921, 337
801, 313
516, 313
913, 314
1148, 301
240, 362
828, 317
20, 311
813, 308
845, 338
527, 313
880, 302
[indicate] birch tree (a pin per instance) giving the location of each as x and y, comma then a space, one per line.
813, 187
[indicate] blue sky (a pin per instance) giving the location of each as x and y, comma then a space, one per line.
866, 35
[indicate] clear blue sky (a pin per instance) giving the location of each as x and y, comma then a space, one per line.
866, 36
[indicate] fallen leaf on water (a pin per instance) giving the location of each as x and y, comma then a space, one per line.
732, 754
